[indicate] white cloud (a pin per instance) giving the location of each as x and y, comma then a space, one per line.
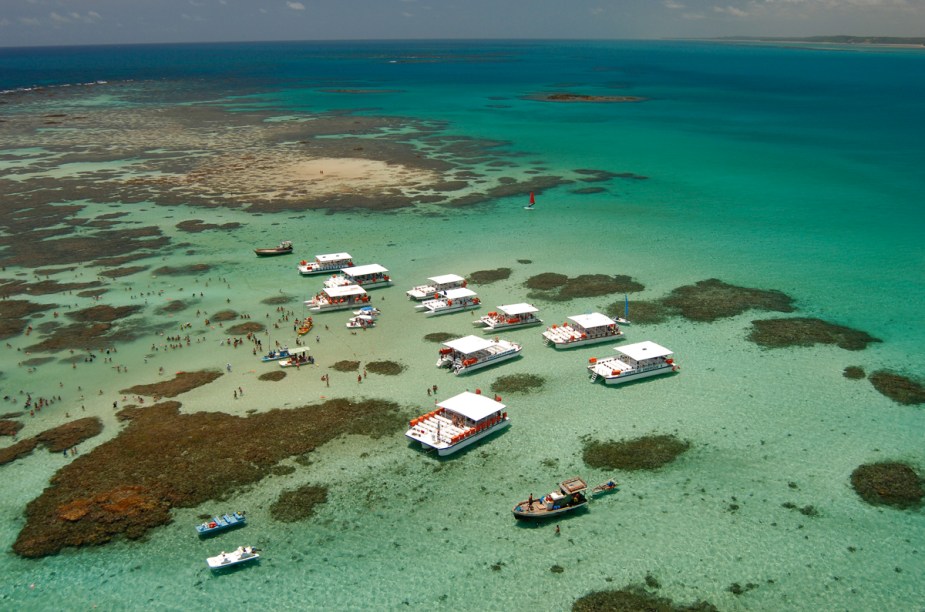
673, 5
296, 6
730, 10
29, 21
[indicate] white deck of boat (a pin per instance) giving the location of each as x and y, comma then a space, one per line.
644, 350
469, 344
364, 270
445, 279
471, 405
517, 309
332, 257
458, 293
594, 319
344, 291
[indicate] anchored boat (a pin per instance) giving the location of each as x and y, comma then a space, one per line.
434, 285
242, 554
361, 322
284, 248
338, 298
633, 362
217, 524
571, 495
509, 316
458, 422
449, 301
370, 276
297, 357
329, 262
581, 330
470, 353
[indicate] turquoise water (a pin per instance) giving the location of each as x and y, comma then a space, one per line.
780, 169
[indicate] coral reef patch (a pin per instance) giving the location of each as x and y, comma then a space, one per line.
888, 484
181, 383
807, 331
385, 368
645, 453
486, 277
560, 288
298, 504
899, 388
518, 383
273, 376
164, 459
712, 299
56, 439
634, 599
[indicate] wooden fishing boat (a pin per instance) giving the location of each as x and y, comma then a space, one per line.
284, 248
571, 495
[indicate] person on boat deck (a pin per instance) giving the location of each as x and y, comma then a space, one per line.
530, 501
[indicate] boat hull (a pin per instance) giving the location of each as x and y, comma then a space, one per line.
455, 448
568, 344
223, 523
451, 309
272, 252
487, 327
540, 513
625, 377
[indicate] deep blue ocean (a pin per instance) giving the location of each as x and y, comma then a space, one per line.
787, 168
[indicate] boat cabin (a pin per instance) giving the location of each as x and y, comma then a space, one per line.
370, 275
434, 285
339, 298
643, 354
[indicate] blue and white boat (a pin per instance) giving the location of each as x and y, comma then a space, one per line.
276, 355
218, 524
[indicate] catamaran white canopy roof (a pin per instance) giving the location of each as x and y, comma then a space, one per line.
344, 290
446, 278
595, 319
472, 405
517, 309
469, 344
460, 292
643, 350
364, 270
329, 257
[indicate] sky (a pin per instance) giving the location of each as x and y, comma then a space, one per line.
82, 22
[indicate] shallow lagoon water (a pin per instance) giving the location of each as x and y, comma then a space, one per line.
729, 195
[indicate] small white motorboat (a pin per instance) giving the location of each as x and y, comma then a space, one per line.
361, 322
242, 554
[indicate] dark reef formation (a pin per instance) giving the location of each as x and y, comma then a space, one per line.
346, 366
440, 337
854, 373
273, 376
385, 368
164, 459
807, 331
645, 453
486, 277
299, 504
242, 329
56, 440
712, 299
555, 287
899, 388
888, 484
634, 599
181, 383
518, 383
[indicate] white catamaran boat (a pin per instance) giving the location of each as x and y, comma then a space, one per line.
449, 301
509, 316
297, 357
469, 353
582, 330
633, 362
338, 298
458, 422
329, 262
434, 285
369, 276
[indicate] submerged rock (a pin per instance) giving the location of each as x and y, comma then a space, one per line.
386, 368
712, 299
889, 484
518, 383
806, 331
274, 376
634, 599
440, 337
346, 366
899, 388
646, 453
299, 504
854, 373
485, 277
